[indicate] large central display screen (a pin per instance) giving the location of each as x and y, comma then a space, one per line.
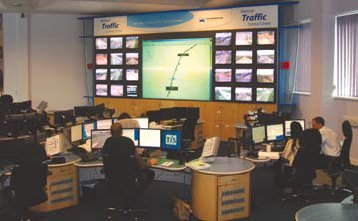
177, 68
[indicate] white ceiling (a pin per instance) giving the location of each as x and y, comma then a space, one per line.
115, 6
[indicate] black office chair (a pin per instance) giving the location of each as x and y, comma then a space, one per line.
120, 173
188, 131
337, 166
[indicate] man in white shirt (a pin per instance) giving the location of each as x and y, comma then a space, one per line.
330, 142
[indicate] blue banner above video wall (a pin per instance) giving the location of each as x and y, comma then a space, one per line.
184, 21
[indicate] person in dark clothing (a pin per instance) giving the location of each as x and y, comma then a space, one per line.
281, 171
348, 136
122, 150
307, 157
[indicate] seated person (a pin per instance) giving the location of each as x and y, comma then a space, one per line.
288, 155
127, 122
331, 148
307, 156
123, 147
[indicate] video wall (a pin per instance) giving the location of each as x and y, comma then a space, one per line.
232, 66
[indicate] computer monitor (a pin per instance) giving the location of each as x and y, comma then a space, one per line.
98, 138
85, 111
171, 140
63, 117
133, 134
143, 122
274, 132
104, 124
288, 126
258, 134
180, 112
76, 133
194, 111
154, 116
20, 107
53, 146
166, 114
87, 128
149, 138
211, 147
99, 108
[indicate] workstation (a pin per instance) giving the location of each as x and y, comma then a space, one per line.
221, 110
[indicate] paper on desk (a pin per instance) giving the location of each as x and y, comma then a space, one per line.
270, 155
52, 145
198, 164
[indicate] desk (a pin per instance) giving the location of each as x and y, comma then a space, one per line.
222, 191
62, 186
328, 212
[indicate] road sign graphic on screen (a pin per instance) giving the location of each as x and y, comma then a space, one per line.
177, 68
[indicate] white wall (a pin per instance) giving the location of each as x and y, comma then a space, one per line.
44, 59
320, 102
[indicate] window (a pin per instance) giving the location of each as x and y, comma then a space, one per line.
345, 59
303, 65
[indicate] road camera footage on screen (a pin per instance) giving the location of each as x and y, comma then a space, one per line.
265, 94
265, 75
177, 68
101, 43
243, 38
243, 94
223, 38
266, 37
243, 75
244, 57
132, 75
223, 93
117, 90
116, 74
131, 58
101, 59
223, 57
116, 58
132, 42
116, 42
222, 75
101, 74
101, 90
265, 56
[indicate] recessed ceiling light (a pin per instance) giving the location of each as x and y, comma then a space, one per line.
16, 4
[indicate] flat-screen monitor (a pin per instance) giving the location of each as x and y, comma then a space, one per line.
166, 113
154, 115
274, 132
180, 112
63, 117
258, 134
288, 126
104, 124
143, 122
76, 133
98, 138
87, 128
223, 93
178, 68
150, 138
132, 134
171, 139
53, 145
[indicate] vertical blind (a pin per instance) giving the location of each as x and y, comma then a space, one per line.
303, 65
346, 62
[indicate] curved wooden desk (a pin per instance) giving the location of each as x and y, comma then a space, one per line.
328, 212
222, 191
62, 185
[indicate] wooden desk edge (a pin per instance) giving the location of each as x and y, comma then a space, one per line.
224, 173
64, 164
82, 165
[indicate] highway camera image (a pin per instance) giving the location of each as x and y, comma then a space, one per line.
265, 56
265, 94
243, 75
223, 39
116, 42
223, 57
116, 58
101, 74
223, 75
243, 94
265, 75
177, 68
132, 42
266, 37
243, 38
101, 43
101, 59
223, 93
116, 74
101, 90
244, 57
117, 90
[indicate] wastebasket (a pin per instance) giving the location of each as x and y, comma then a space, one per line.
89, 190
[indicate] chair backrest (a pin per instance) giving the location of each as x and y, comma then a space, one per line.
28, 182
120, 170
346, 147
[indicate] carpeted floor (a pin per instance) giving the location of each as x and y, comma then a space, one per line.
266, 203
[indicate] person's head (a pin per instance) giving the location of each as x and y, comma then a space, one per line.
6, 99
296, 129
116, 130
347, 129
124, 115
317, 123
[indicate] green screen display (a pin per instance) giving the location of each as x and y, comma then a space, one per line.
177, 68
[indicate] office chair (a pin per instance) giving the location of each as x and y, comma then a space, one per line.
188, 132
120, 173
337, 166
